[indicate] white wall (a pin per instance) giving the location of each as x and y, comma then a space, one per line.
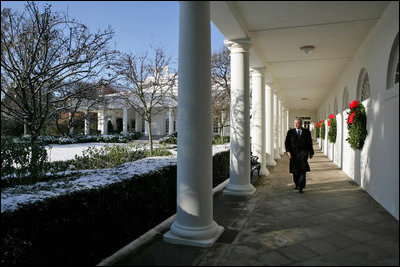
376, 167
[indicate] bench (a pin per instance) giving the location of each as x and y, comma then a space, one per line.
254, 165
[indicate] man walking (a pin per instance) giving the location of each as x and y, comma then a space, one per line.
298, 145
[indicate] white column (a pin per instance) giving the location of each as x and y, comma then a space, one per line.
87, 122
223, 123
138, 126
276, 126
283, 132
280, 124
113, 118
105, 122
239, 183
287, 120
170, 121
258, 117
269, 108
194, 224
326, 145
125, 121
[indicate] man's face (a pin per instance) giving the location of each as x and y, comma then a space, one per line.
297, 124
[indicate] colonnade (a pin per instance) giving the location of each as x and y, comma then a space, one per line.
194, 224
104, 116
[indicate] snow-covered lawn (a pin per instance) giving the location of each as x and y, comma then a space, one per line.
12, 197
66, 152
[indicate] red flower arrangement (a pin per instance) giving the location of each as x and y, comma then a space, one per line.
351, 118
330, 117
354, 104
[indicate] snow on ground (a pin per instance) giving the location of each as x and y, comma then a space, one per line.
65, 152
12, 197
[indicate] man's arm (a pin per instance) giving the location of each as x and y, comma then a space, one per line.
310, 145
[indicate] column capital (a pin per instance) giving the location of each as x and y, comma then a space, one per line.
258, 71
238, 45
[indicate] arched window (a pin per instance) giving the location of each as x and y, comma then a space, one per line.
363, 88
393, 66
345, 99
335, 107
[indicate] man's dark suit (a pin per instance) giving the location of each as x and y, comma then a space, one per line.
300, 148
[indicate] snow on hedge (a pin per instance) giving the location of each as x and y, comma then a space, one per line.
13, 197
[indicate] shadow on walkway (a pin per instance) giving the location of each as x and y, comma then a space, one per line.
334, 222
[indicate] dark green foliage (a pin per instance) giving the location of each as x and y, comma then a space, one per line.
92, 158
220, 167
332, 131
169, 139
358, 129
323, 130
15, 158
220, 140
317, 131
82, 228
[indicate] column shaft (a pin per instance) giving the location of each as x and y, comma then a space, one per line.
239, 183
125, 121
87, 123
194, 224
276, 127
258, 118
269, 126
170, 121
105, 122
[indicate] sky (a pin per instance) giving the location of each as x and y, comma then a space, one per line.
137, 24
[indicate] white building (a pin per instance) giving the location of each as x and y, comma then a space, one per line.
124, 118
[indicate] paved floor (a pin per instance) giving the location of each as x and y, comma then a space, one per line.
334, 222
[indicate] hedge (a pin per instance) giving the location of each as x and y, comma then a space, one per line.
84, 227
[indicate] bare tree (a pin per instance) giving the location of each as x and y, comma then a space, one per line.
85, 96
147, 83
221, 85
42, 52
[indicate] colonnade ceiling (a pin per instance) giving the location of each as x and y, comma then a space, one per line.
278, 29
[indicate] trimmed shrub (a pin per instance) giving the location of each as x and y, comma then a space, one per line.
84, 227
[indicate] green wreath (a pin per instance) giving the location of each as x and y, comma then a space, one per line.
332, 129
317, 130
357, 125
323, 130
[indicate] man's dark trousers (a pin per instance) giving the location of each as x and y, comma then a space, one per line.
299, 180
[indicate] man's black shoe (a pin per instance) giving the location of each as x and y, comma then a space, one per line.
301, 190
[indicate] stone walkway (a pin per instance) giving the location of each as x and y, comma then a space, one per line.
334, 222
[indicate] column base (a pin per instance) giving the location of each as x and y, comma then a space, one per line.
277, 156
239, 190
193, 236
271, 162
264, 171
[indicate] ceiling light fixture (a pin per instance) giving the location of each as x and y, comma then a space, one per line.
307, 49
